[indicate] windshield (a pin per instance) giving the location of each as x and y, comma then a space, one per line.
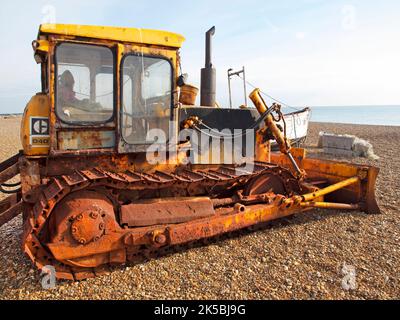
85, 83
146, 96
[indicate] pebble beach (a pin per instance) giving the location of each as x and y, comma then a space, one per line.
303, 257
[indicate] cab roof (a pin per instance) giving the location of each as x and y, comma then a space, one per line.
133, 35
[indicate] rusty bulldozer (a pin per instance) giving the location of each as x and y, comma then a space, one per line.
89, 194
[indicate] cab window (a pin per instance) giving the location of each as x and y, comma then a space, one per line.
146, 97
85, 83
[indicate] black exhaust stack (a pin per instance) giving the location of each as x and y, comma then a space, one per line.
208, 75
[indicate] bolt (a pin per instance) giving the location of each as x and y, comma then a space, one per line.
94, 215
74, 229
80, 217
240, 208
160, 239
82, 241
96, 238
101, 226
297, 200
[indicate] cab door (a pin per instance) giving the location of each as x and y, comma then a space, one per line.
147, 112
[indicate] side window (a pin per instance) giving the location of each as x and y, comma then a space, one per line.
155, 84
105, 97
85, 83
127, 101
146, 97
81, 76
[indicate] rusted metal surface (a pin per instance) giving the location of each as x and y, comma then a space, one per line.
83, 219
95, 200
165, 211
332, 172
9, 173
83, 140
252, 215
11, 213
9, 162
82, 207
173, 234
369, 202
279, 136
268, 182
89, 253
30, 179
330, 189
188, 95
284, 144
262, 147
329, 205
8, 202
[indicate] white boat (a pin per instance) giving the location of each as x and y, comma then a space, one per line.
296, 122
296, 126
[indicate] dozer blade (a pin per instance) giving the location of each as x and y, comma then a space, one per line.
358, 182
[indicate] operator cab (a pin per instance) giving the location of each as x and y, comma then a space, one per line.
103, 89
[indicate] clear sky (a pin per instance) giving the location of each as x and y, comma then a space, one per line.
304, 52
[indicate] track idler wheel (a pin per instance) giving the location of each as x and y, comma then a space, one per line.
80, 219
266, 183
281, 182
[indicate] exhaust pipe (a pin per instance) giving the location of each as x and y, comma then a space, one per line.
208, 75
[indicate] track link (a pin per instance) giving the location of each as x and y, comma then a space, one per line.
194, 182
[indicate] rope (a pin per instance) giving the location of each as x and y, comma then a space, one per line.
280, 102
284, 125
221, 134
268, 96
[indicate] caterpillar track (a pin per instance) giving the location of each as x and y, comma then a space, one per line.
185, 183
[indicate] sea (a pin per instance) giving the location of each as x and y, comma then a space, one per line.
371, 115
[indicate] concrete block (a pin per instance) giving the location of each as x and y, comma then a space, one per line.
339, 152
346, 145
320, 135
338, 141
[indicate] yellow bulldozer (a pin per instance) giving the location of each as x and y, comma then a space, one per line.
111, 170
